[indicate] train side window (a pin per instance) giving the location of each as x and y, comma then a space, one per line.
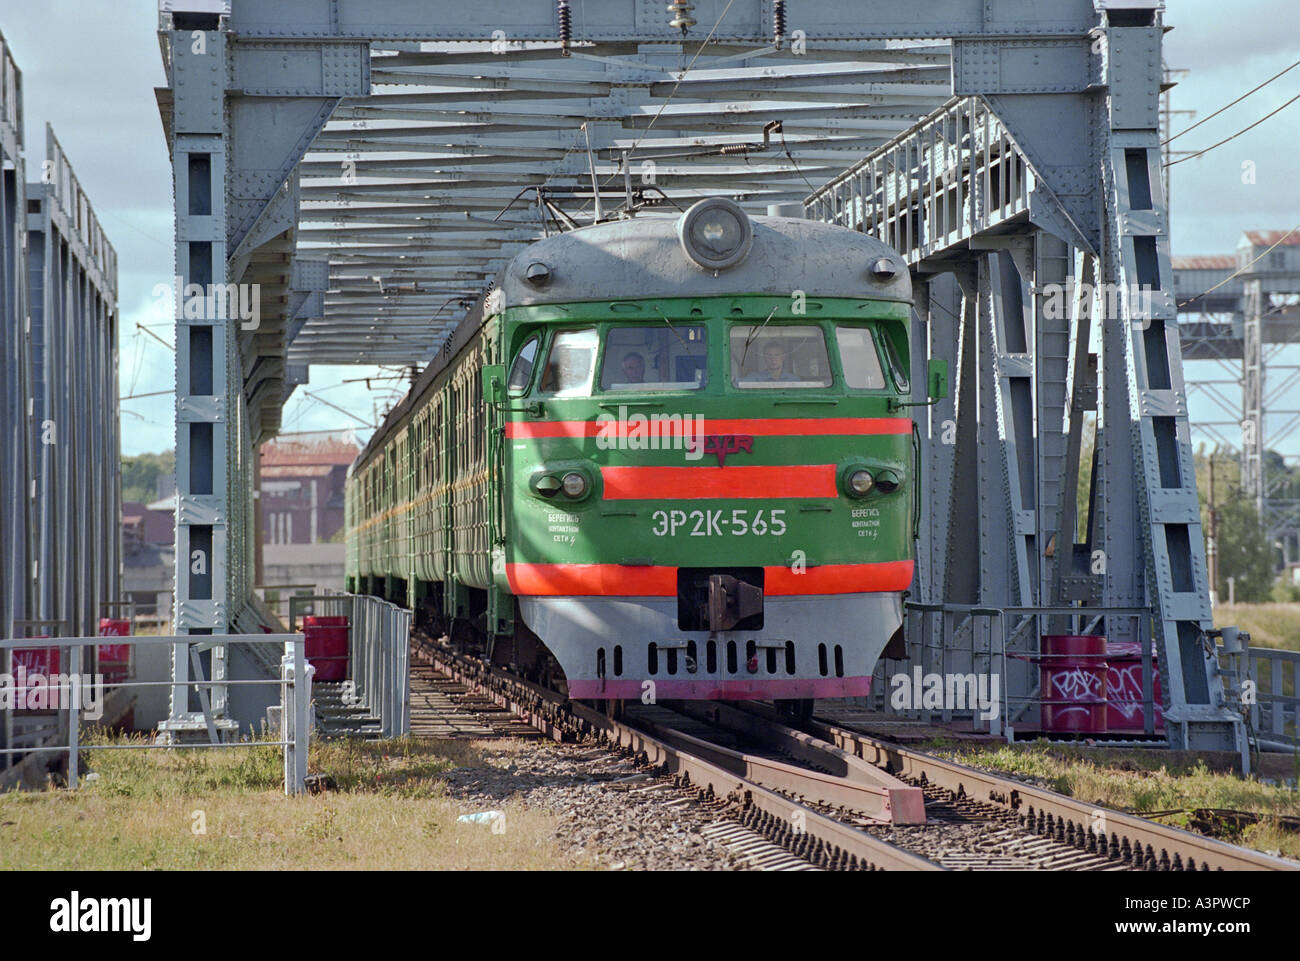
665, 357
780, 356
862, 370
571, 363
521, 371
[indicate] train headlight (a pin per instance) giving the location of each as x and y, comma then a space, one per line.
883, 269
546, 486
574, 485
716, 233
887, 481
860, 482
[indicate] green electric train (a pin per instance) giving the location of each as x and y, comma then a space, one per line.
661, 455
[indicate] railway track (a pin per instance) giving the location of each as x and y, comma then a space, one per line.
810, 836
1126, 840
838, 799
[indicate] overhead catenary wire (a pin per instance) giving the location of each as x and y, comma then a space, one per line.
155, 337
793, 163
667, 100
341, 410
1200, 153
1233, 104
1241, 270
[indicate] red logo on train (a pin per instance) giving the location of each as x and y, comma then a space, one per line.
723, 445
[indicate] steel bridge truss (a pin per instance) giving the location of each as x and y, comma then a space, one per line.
1048, 292
372, 163
60, 493
1245, 325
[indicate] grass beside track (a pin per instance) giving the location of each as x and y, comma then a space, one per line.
1144, 783
1270, 625
390, 810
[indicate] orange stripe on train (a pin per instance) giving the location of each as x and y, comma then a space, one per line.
699, 483
758, 427
620, 580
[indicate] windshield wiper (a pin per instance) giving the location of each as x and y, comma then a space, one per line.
754, 333
673, 329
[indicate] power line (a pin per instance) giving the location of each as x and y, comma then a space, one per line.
627, 156
156, 337
138, 363
1233, 104
786, 148
1235, 135
148, 236
341, 410
667, 100
1242, 270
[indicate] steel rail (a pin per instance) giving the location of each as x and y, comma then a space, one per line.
830, 841
1154, 845
851, 783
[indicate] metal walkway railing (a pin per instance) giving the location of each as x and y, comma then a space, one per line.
1275, 711
375, 700
75, 695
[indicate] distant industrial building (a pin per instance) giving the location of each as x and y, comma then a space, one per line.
301, 504
149, 557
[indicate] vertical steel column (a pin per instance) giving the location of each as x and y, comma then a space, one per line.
1053, 263
942, 304
1008, 461
1146, 434
1072, 578
1252, 395
15, 375
208, 375
961, 580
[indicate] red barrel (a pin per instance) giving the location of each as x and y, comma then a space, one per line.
327, 646
34, 660
1124, 688
114, 659
1073, 678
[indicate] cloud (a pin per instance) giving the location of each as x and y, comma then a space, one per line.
90, 69
1210, 35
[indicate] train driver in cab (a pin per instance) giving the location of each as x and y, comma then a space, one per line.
633, 368
775, 364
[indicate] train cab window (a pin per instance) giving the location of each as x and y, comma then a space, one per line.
571, 364
666, 357
859, 359
521, 371
895, 364
764, 356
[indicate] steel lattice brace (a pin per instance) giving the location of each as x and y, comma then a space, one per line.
990, 191
1240, 313
371, 162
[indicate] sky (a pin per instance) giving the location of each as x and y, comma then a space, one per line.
90, 66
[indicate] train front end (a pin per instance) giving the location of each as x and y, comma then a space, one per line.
709, 466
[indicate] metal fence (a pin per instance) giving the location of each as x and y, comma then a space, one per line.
1274, 716
961, 639
70, 692
276, 597
378, 654
947, 639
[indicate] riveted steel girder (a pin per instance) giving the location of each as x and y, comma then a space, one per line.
477, 123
